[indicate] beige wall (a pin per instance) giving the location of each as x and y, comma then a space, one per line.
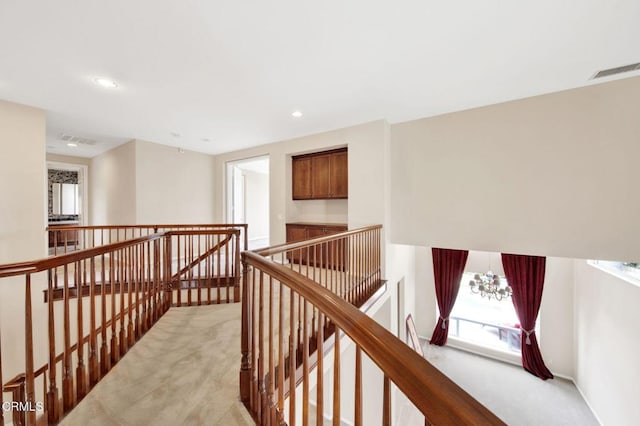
23, 218
607, 321
142, 182
23, 180
68, 159
112, 186
551, 175
172, 187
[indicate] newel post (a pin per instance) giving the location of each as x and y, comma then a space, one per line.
245, 367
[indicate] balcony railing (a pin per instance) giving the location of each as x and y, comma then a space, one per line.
97, 302
297, 316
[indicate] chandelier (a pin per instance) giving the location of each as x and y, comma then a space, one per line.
489, 285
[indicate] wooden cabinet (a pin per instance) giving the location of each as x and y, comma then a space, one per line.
301, 178
329, 255
320, 176
59, 238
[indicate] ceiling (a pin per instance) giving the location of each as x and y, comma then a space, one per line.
216, 76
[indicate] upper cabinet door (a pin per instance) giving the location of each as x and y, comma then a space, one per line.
301, 171
339, 179
320, 180
321, 175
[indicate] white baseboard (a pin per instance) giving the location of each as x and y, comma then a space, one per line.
586, 401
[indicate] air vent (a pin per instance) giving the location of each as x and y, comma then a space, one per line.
617, 70
75, 139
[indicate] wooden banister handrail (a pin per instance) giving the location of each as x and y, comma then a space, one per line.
146, 226
270, 251
433, 393
24, 268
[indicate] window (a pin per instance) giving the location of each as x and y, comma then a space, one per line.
628, 271
485, 318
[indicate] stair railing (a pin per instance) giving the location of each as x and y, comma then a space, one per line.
348, 263
294, 332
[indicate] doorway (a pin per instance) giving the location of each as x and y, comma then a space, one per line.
247, 197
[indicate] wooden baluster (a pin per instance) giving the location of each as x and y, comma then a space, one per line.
151, 267
122, 272
219, 269
179, 284
94, 371
53, 410
261, 354
1, 384
292, 358
236, 283
29, 366
358, 388
208, 265
144, 286
272, 372
113, 273
200, 281
336, 377
360, 268
305, 365
320, 373
188, 255
67, 378
81, 372
137, 268
166, 293
105, 362
281, 364
299, 350
156, 294
254, 347
245, 368
226, 265
386, 402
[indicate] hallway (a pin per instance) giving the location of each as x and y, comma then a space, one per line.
183, 371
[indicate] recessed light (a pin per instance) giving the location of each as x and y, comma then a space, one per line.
72, 145
205, 140
106, 83
296, 114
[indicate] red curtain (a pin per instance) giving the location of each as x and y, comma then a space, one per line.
448, 266
525, 275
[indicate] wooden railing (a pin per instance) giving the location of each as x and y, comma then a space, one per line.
98, 302
63, 239
204, 267
295, 333
348, 263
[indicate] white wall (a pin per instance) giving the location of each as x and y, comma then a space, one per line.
23, 219
141, 182
172, 187
23, 183
607, 321
112, 186
257, 198
550, 175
